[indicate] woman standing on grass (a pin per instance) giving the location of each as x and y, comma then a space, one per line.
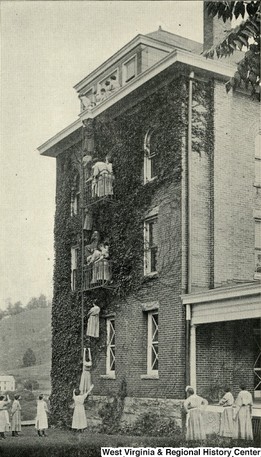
243, 414
16, 416
41, 422
227, 423
193, 406
79, 421
4, 402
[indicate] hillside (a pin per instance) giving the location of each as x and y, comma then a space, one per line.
29, 329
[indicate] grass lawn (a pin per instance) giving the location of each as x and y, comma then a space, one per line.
66, 443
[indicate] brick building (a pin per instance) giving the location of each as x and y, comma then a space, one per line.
181, 215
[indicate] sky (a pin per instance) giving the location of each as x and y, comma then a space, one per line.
46, 48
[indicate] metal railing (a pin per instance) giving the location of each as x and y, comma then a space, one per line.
99, 188
96, 274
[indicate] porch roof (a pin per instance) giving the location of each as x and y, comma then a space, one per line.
224, 304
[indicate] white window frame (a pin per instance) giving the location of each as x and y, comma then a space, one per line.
124, 69
147, 157
257, 220
110, 355
74, 266
75, 198
152, 342
147, 247
257, 182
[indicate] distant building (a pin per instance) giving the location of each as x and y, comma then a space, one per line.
7, 383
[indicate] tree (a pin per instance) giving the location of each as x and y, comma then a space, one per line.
247, 34
29, 358
40, 302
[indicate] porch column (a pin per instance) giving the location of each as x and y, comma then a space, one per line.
193, 368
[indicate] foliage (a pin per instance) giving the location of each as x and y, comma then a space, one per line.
247, 34
18, 307
29, 358
150, 424
121, 220
39, 302
111, 412
31, 384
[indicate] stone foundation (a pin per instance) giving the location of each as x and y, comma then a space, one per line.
134, 408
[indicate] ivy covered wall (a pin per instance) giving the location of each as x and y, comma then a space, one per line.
121, 133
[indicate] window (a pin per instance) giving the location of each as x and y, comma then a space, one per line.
74, 263
153, 343
110, 356
258, 160
150, 245
75, 196
258, 246
151, 155
129, 69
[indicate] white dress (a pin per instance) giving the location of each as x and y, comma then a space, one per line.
227, 422
195, 425
41, 422
4, 416
79, 421
243, 425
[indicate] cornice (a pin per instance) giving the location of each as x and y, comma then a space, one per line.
242, 290
198, 63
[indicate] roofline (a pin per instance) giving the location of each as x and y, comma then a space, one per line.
194, 61
139, 39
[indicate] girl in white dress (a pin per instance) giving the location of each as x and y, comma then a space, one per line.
41, 422
243, 414
79, 421
85, 382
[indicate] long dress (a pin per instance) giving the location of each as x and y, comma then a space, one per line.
195, 425
4, 418
85, 382
93, 322
16, 416
79, 417
243, 425
102, 179
227, 422
41, 422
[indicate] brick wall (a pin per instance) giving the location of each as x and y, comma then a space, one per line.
235, 115
225, 355
131, 320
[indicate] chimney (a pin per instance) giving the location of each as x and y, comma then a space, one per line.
214, 29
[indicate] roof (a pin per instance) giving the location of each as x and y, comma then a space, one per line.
176, 41
6, 378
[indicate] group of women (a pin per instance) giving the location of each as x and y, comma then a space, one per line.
235, 419
10, 419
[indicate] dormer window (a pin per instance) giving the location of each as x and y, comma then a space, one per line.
151, 155
130, 69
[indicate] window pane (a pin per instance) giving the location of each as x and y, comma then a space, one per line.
130, 69
153, 254
258, 146
258, 261
258, 171
154, 165
258, 234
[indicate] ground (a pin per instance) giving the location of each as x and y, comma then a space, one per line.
67, 443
